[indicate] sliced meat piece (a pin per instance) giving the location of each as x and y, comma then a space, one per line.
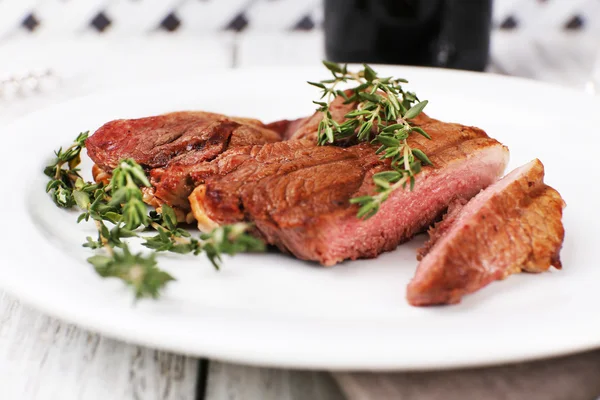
298, 193
179, 141
512, 226
183, 137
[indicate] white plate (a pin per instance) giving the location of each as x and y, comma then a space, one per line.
274, 310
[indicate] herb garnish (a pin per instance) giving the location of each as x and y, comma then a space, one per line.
382, 116
63, 172
118, 212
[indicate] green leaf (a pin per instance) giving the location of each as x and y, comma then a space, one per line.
112, 216
388, 141
375, 98
342, 94
422, 156
364, 131
415, 110
124, 232
394, 127
329, 133
395, 105
361, 88
390, 176
361, 199
380, 149
410, 97
99, 262
138, 271
420, 131
92, 244
381, 183
317, 84
63, 197
401, 134
369, 74
368, 210
169, 217
357, 113
138, 173
134, 214
82, 199
53, 184
333, 67
181, 248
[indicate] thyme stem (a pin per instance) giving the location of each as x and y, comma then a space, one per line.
382, 116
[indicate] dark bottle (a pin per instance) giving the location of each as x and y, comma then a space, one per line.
438, 33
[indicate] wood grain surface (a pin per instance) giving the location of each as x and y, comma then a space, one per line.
575, 377
43, 358
236, 382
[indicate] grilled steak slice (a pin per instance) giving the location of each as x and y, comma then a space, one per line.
512, 226
298, 193
183, 137
173, 141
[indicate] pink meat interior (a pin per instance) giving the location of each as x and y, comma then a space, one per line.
406, 213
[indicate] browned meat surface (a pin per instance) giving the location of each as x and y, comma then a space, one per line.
513, 226
183, 137
173, 142
173, 184
287, 128
298, 193
309, 127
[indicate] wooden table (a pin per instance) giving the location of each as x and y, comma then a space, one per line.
43, 358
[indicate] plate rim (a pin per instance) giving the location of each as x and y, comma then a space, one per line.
97, 326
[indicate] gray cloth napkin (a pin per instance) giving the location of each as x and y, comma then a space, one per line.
575, 377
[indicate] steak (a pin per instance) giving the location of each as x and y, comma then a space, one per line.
297, 194
512, 226
173, 143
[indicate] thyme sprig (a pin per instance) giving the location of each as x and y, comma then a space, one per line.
382, 116
228, 239
63, 172
118, 213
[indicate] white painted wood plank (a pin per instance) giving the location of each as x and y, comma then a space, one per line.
569, 378
573, 377
42, 358
236, 382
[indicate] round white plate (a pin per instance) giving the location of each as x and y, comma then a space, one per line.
274, 310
